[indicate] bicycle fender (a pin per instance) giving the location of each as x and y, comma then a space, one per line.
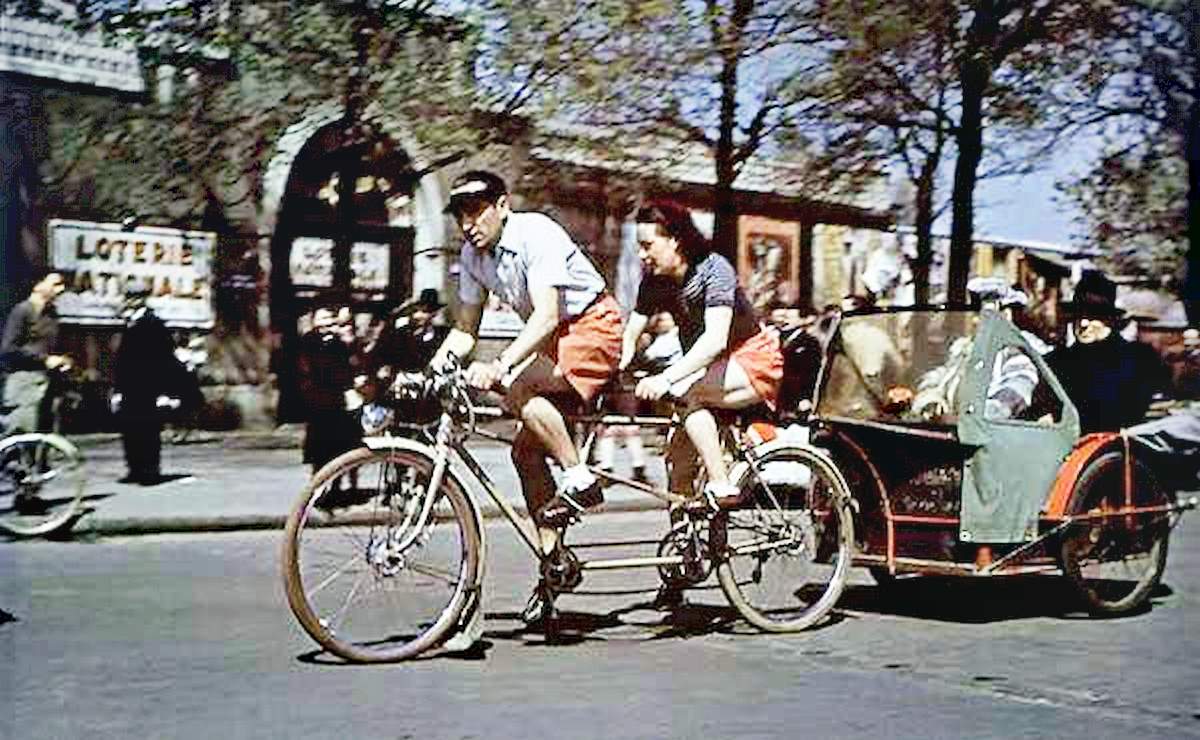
15, 439
741, 467
1088, 447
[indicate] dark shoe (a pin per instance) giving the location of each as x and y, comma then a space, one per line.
30, 505
667, 599
639, 474
540, 608
343, 498
560, 510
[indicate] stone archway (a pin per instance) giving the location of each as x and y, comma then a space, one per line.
428, 198
312, 195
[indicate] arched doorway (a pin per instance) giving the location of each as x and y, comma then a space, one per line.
345, 233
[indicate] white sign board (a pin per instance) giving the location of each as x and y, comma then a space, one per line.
311, 264
110, 262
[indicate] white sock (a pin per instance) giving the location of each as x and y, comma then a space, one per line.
577, 477
606, 451
637, 453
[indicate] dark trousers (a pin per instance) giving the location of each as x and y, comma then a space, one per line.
140, 436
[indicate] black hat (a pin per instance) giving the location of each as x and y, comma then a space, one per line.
427, 300
476, 185
1095, 297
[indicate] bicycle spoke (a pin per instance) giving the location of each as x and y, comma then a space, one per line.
435, 573
333, 576
392, 603
336, 622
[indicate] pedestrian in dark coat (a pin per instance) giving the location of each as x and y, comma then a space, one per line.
325, 375
146, 369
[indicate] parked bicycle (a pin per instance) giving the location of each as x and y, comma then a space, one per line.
383, 554
42, 474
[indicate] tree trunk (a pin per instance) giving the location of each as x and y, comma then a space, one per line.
1191, 287
1191, 134
725, 215
924, 228
21, 240
966, 168
725, 221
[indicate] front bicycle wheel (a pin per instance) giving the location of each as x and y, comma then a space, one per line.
783, 554
41, 484
360, 577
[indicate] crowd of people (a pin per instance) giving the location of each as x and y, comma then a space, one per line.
342, 370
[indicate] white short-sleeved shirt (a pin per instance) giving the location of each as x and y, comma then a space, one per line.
533, 252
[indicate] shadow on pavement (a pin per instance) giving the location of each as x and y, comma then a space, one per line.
975, 600
573, 626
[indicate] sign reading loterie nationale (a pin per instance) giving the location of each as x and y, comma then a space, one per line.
109, 262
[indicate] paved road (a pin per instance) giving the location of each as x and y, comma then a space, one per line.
186, 636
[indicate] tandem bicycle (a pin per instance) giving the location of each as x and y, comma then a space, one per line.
384, 551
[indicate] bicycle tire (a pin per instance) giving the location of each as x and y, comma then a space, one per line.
45, 470
802, 523
375, 516
1096, 555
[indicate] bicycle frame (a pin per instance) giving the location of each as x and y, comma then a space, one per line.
446, 441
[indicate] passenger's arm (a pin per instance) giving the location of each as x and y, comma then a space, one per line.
633, 330
708, 347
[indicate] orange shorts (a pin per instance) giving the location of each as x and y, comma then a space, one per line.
587, 350
761, 358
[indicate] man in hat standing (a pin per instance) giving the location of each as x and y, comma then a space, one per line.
1110, 380
566, 352
145, 370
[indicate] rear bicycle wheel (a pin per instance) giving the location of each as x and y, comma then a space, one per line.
351, 581
1115, 562
785, 551
41, 484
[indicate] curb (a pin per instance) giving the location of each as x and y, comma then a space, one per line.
239, 440
139, 526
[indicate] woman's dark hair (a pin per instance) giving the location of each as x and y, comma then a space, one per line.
676, 222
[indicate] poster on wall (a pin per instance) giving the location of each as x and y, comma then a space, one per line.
108, 262
311, 264
769, 261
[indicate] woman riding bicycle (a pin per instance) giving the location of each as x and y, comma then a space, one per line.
730, 359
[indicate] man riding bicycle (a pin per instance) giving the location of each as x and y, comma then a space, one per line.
30, 335
566, 352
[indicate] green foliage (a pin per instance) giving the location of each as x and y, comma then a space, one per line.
995, 82
1135, 204
1134, 199
239, 74
646, 85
